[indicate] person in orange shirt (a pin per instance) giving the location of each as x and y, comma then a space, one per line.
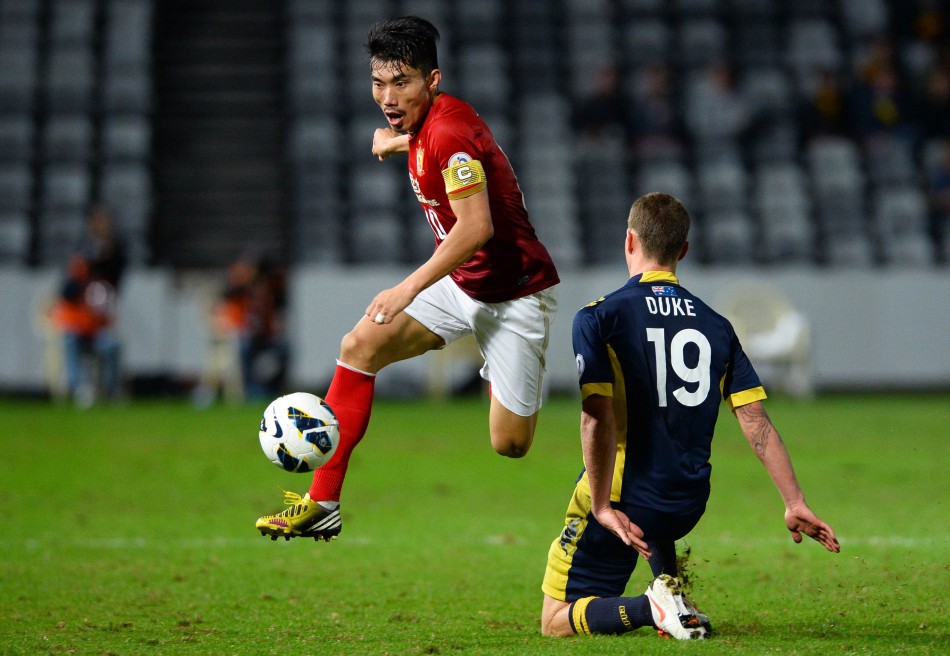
83, 314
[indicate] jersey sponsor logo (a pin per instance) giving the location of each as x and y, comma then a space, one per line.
663, 290
417, 190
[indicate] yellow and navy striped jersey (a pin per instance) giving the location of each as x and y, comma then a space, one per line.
666, 358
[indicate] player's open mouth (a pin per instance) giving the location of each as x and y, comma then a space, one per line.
394, 118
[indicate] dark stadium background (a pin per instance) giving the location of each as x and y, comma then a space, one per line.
809, 139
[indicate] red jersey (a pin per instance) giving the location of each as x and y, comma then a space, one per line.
454, 155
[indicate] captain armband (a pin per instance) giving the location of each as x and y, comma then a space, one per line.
464, 179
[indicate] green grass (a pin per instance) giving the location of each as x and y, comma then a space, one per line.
129, 530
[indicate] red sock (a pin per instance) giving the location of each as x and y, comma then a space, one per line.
351, 398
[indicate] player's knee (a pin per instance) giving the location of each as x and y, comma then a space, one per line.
511, 446
555, 625
356, 351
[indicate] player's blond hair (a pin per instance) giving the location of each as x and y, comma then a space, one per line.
661, 223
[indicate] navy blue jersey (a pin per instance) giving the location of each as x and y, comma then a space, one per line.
666, 358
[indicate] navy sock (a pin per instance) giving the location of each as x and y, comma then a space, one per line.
610, 614
663, 560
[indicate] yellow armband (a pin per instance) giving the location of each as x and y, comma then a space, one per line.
464, 179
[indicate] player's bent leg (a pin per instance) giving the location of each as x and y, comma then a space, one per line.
555, 618
370, 346
363, 351
511, 434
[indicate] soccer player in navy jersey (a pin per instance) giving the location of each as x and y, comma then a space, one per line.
653, 361
489, 276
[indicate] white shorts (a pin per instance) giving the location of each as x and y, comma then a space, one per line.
512, 337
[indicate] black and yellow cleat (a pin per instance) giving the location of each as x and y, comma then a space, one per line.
305, 518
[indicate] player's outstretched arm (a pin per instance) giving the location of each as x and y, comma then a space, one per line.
599, 442
768, 446
387, 141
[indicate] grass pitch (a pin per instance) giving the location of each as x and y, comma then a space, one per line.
129, 531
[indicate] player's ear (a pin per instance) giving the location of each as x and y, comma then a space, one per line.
434, 80
683, 252
631, 243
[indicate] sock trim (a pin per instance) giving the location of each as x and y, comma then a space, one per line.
578, 616
340, 363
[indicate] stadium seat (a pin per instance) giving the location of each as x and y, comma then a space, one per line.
774, 334
14, 237
862, 19
126, 137
788, 234
483, 74
899, 211
72, 22
768, 91
374, 186
18, 78
729, 237
780, 184
126, 188
645, 41
315, 138
834, 164
638, 8
758, 43
890, 161
813, 45
68, 138
722, 184
16, 138
70, 78
378, 237
314, 11
59, 230
127, 90
66, 186
16, 186
700, 41
668, 177
849, 251
127, 35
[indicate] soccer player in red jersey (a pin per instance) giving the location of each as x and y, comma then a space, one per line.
489, 275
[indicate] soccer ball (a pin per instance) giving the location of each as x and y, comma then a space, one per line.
299, 432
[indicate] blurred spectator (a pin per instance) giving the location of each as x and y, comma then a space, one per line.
935, 103
83, 317
103, 247
657, 129
249, 351
827, 110
939, 194
716, 114
602, 113
881, 106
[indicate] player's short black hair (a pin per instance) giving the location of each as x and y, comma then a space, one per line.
661, 224
407, 41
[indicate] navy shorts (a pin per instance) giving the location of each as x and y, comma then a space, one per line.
588, 560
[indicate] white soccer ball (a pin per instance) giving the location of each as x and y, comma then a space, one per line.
299, 432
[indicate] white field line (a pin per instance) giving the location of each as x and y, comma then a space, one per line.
242, 542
